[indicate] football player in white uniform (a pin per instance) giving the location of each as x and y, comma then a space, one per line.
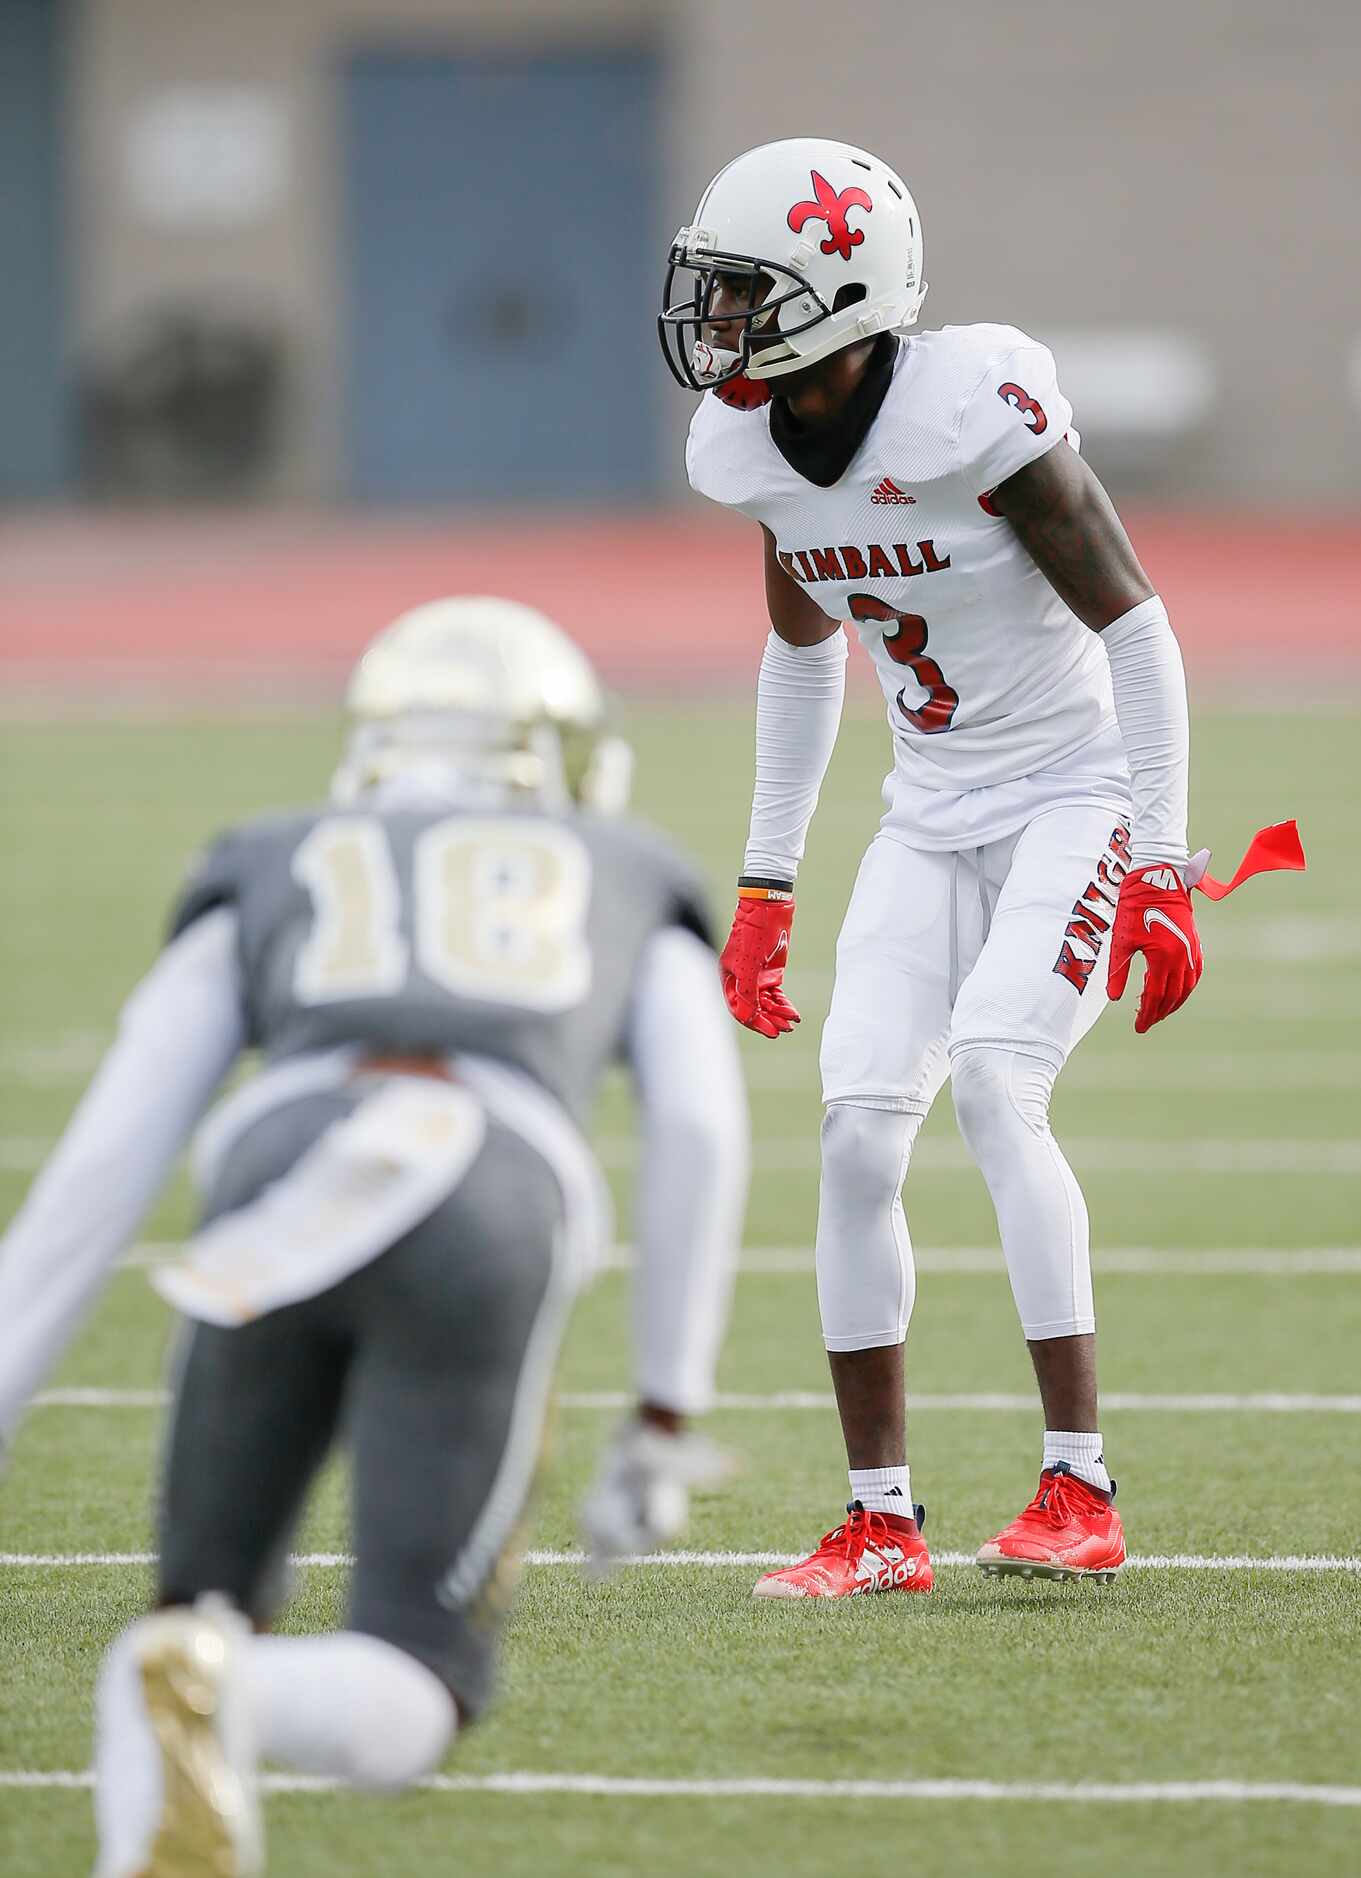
928, 487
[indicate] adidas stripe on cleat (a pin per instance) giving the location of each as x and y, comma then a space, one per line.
867, 1552
1070, 1531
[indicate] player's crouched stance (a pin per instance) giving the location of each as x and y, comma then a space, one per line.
928, 488
400, 1210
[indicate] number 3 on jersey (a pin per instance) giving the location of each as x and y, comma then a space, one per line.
498, 912
1020, 400
907, 647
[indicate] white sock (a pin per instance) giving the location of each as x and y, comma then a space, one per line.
1083, 1454
345, 1705
128, 1766
350, 1706
127, 1763
883, 1490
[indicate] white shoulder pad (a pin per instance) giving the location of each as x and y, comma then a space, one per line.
1014, 411
724, 450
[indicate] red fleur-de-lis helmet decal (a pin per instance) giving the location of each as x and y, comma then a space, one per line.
832, 208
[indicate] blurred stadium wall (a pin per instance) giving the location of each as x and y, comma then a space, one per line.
266, 224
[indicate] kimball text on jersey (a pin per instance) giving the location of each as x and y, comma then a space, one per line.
875, 562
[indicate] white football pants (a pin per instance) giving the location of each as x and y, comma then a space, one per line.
986, 967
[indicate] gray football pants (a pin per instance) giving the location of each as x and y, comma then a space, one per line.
434, 1363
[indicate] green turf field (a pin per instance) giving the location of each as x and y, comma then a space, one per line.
1220, 1156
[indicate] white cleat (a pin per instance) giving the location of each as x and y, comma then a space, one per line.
210, 1817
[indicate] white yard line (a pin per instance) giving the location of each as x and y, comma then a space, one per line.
69, 1060
719, 1561
1106, 1154
23, 1154
1232, 1069
782, 1260
1124, 1261
101, 1398
773, 1073
1267, 997
68, 1063
1114, 1154
640, 1787
69, 1057
1120, 1261
615, 1400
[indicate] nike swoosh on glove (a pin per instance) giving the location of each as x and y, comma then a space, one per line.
753, 963
1153, 916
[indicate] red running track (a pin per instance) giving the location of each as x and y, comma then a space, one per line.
202, 602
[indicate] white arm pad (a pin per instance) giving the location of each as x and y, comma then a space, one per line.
1149, 683
179, 1033
692, 1187
798, 712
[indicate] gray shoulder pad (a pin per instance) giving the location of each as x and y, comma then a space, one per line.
214, 880
681, 895
689, 899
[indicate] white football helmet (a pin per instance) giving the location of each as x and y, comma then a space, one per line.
480, 699
829, 240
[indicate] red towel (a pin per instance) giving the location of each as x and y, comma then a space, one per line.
1271, 850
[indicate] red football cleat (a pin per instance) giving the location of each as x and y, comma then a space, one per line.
867, 1552
1069, 1531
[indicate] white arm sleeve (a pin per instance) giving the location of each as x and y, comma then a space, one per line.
1149, 683
798, 713
178, 1035
692, 1188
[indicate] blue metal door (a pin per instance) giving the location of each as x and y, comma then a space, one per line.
503, 267
33, 430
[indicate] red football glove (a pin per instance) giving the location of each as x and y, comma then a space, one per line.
1154, 916
753, 963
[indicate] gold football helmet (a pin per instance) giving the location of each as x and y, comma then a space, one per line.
486, 699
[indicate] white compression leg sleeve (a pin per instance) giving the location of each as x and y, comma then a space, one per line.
128, 1784
866, 1278
350, 1706
1002, 1101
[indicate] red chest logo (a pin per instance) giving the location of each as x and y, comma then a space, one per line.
832, 209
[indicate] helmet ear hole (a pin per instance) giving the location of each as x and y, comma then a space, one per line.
849, 295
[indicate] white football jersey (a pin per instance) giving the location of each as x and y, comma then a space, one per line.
993, 685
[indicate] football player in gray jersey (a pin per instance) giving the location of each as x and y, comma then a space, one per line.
399, 1208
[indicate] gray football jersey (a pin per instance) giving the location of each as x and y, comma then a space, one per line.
429, 931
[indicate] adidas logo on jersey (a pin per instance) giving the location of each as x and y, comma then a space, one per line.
888, 491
